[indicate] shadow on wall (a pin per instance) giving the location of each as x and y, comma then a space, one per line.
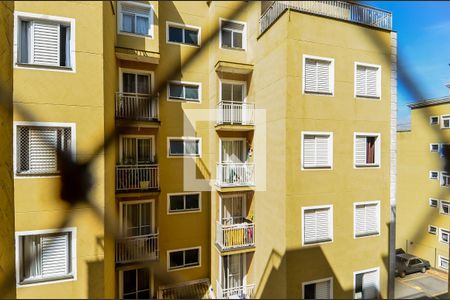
95, 279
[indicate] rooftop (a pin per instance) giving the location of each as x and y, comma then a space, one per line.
342, 10
430, 102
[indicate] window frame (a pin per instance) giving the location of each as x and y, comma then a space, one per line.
441, 178
19, 256
184, 83
330, 150
435, 144
442, 121
377, 163
330, 224
183, 27
150, 17
441, 231
379, 72
137, 137
244, 35
136, 72
184, 211
431, 120
233, 82
443, 203
376, 269
184, 155
19, 16
330, 279
440, 259
16, 124
151, 278
433, 199
430, 175
331, 75
431, 231
184, 267
366, 235
122, 205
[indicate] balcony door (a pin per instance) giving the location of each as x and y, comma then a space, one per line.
233, 209
136, 83
233, 275
232, 97
233, 151
137, 150
138, 218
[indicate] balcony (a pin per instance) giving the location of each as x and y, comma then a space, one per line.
137, 178
137, 248
235, 113
342, 10
235, 174
137, 107
239, 292
236, 236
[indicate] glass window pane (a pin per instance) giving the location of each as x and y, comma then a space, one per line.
142, 25
144, 295
191, 37
143, 84
310, 291
226, 92
191, 257
176, 147
191, 92
226, 38
192, 201
191, 147
176, 259
237, 40
175, 34
238, 92
129, 281
24, 41
143, 279
177, 202
176, 91
129, 83
144, 151
127, 23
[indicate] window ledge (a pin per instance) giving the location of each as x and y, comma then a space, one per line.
368, 166
147, 36
319, 93
232, 48
368, 97
38, 66
45, 280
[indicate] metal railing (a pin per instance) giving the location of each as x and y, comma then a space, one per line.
137, 177
235, 174
230, 237
137, 248
240, 113
343, 10
135, 106
239, 292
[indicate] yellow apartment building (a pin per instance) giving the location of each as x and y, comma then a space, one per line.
253, 149
425, 144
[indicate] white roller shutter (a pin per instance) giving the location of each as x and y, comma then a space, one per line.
360, 220
323, 290
366, 219
317, 227
46, 43
55, 254
316, 151
322, 150
43, 150
370, 285
372, 218
309, 151
360, 150
367, 81
317, 76
323, 76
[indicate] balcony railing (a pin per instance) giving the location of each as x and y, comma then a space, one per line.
137, 107
232, 237
137, 248
235, 174
237, 113
239, 292
352, 12
137, 177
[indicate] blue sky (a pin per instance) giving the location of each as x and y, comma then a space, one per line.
424, 45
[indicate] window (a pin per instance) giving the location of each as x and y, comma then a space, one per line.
319, 289
367, 284
434, 147
38, 147
185, 258
443, 262
317, 149
184, 202
136, 18
137, 150
434, 120
232, 34
232, 91
186, 91
45, 41
444, 150
318, 75
367, 150
367, 80
432, 229
367, 218
135, 284
317, 224
433, 202
445, 179
444, 235
183, 34
444, 207
136, 83
46, 255
434, 174
445, 121
137, 218
184, 146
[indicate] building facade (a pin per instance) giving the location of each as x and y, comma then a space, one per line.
240, 138
425, 144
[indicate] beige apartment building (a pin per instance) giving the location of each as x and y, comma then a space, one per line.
253, 152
